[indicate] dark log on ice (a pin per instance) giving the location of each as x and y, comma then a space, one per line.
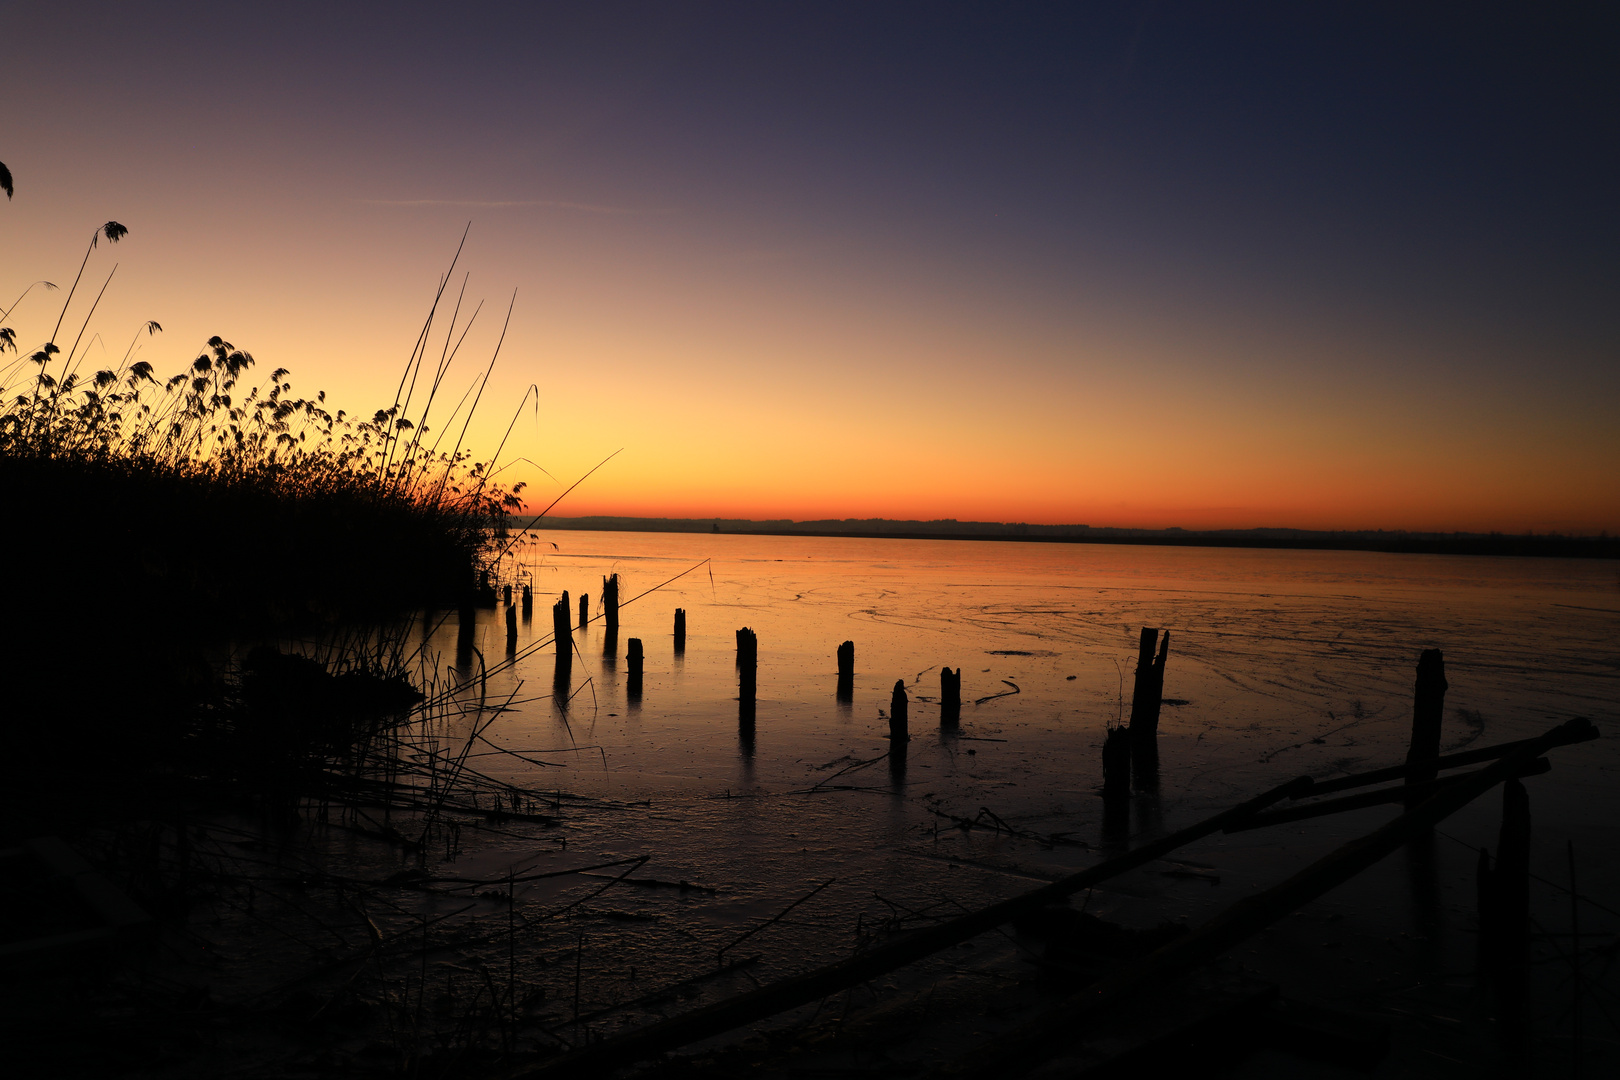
610, 600
1578, 730
680, 630
1027, 1044
1381, 797
584, 610
899, 717
722, 1016
634, 659
950, 697
846, 671
1428, 708
528, 602
511, 629
1116, 762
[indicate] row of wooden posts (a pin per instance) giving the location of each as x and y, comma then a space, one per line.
1126, 748
1129, 752
1130, 758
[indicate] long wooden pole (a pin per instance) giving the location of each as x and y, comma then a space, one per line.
790, 993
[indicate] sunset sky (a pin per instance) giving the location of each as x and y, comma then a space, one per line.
1316, 266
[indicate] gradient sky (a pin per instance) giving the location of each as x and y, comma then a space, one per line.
1320, 266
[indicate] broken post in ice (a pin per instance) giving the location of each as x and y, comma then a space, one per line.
610, 601
846, 671
899, 727
634, 662
899, 731
1428, 706
528, 602
680, 630
559, 628
747, 665
1146, 699
511, 629
950, 697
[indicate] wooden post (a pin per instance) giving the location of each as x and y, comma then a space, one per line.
1146, 698
584, 609
528, 602
610, 601
562, 678
950, 697
846, 671
1116, 762
635, 662
899, 727
680, 630
1428, 708
747, 665
559, 627
511, 629
486, 590
506, 595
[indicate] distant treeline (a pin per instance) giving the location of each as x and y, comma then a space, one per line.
1602, 546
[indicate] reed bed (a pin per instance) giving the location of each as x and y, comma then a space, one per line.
159, 522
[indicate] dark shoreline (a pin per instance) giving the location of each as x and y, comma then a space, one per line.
1547, 545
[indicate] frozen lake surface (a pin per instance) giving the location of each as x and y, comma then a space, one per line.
1281, 663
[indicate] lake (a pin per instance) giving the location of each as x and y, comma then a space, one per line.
1281, 663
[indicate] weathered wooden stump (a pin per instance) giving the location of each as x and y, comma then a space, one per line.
560, 633
1428, 709
634, 663
950, 697
747, 665
506, 595
511, 629
584, 609
680, 630
846, 671
528, 602
1147, 698
899, 725
563, 677
610, 601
